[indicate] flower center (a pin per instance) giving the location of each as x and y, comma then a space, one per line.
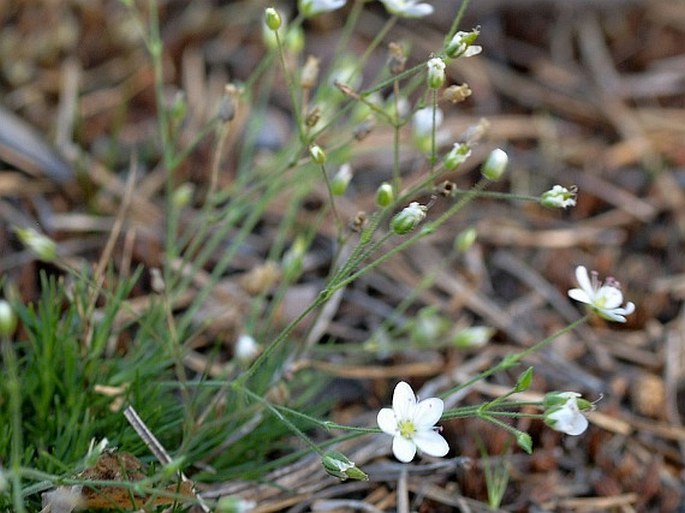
407, 429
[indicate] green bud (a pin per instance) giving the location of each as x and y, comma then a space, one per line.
524, 441
317, 154
234, 504
495, 165
473, 337
465, 240
273, 19
436, 73
341, 180
428, 326
183, 195
384, 195
294, 40
408, 219
43, 247
461, 45
524, 380
559, 197
8, 319
338, 465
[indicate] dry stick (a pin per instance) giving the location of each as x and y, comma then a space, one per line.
158, 450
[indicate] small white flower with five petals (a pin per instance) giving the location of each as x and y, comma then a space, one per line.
603, 299
407, 8
411, 423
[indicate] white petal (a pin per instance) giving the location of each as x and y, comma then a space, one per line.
403, 449
427, 413
584, 280
609, 297
403, 401
431, 443
579, 295
387, 421
629, 308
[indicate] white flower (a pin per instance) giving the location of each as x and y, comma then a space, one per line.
462, 45
422, 121
565, 415
559, 197
411, 424
314, 7
246, 348
603, 299
407, 8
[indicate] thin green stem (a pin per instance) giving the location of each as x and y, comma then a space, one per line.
291, 89
513, 359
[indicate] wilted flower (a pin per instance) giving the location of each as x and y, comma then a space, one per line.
563, 412
603, 299
462, 45
407, 8
412, 424
457, 155
313, 7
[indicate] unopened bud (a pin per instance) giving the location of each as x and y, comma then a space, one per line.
495, 165
317, 154
465, 240
183, 195
436, 73
341, 180
43, 247
408, 219
559, 197
473, 337
246, 348
234, 504
8, 319
338, 465
384, 195
273, 19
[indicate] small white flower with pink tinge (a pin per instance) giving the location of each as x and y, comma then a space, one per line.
411, 423
604, 299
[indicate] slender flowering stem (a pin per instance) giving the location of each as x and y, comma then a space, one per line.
513, 359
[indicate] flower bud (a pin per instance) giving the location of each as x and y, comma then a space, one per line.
269, 34
8, 319
457, 155
43, 247
273, 19
317, 154
183, 195
461, 45
559, 197
495, 165
234, 504
246, 349
436, 73
338, 465
384, 195
408, 219
473, 337
524, 380
465, 240
341, 180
